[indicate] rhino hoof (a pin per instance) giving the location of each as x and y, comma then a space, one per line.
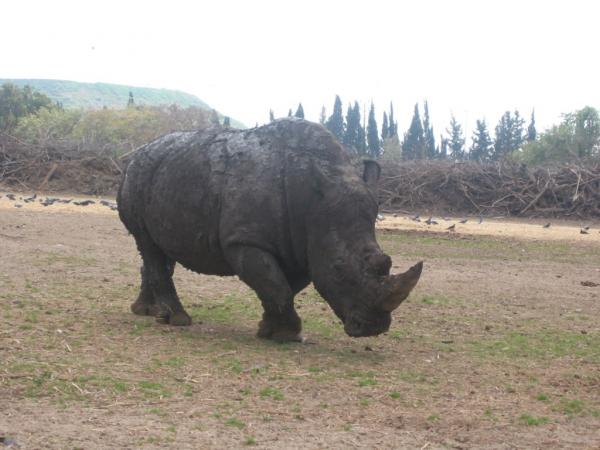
278, 334
177, 319
144, 309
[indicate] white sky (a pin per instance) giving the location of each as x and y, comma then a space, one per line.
473, 58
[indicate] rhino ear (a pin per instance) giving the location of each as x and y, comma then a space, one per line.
371, 172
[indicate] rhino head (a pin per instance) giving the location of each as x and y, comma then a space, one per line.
347, 266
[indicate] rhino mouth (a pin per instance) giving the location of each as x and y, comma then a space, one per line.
357, 325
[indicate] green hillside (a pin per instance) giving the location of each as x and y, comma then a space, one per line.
73, 94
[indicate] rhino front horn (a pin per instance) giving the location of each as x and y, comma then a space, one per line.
397, 287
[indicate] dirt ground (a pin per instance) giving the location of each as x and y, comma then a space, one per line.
497, 348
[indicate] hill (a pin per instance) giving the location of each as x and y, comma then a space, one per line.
74, 94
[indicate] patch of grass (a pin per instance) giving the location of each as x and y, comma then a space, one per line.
250, 440
542, 397
410, 376
233, 422
367, 382
172, 429
433, 418
364, 402
395, 395
153, 389
532, 421
271, 392
571, 407
540, 345
175, 361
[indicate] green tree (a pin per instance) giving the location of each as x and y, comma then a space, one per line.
271, 116
361, 142
16, 103
531, 131
373, 144
290, 112
413, 146
323, 116
430, 150
456, 142
393, 125
351, 133
482, 146
335, 123
300, 111
385, 128
442, 151
509, 135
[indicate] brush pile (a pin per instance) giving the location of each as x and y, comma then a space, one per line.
511, 189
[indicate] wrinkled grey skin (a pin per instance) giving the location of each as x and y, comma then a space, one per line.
279, 206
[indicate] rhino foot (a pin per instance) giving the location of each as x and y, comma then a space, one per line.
178, 318
142, 308
280, 332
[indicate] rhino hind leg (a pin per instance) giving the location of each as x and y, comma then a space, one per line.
260, 270
158, 296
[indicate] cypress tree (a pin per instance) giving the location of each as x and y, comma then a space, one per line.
509, 134
351, 133
300, 111
130, 101
456, 142
226, 121
443, 150
335, 123
413, 146
482, 147
373, 144
360, 131
323, 116
271, 116
290, 112
393, 126
430, 151
531, 131
385, 130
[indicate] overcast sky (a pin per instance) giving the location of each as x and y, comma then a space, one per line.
471, 58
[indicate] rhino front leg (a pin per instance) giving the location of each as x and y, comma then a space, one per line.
259, 270
158, 296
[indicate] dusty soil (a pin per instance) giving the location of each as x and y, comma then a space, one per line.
498, 347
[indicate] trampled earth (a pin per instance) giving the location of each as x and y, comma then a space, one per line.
497, 347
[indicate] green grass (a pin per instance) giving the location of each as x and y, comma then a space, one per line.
571, 407
236, 423
153, 389
532, 421
395, 395
540, 345
250, 440
271, 392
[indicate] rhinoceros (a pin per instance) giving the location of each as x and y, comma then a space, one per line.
279, 206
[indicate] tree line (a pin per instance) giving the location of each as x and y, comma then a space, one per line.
576, 137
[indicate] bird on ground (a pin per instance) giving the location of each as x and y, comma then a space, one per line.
464, 221
452, 227
11, 196
84, 202
586, 228
547, 225
583, 231
380, 217
430, 221
416, 218
480, 220
30, 199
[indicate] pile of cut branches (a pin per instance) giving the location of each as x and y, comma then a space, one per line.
568, 190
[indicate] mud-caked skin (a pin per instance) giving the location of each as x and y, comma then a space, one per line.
279, 206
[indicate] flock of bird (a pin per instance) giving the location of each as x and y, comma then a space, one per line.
48, 201
432, 221
585, 229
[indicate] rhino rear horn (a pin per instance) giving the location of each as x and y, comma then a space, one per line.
397, 287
